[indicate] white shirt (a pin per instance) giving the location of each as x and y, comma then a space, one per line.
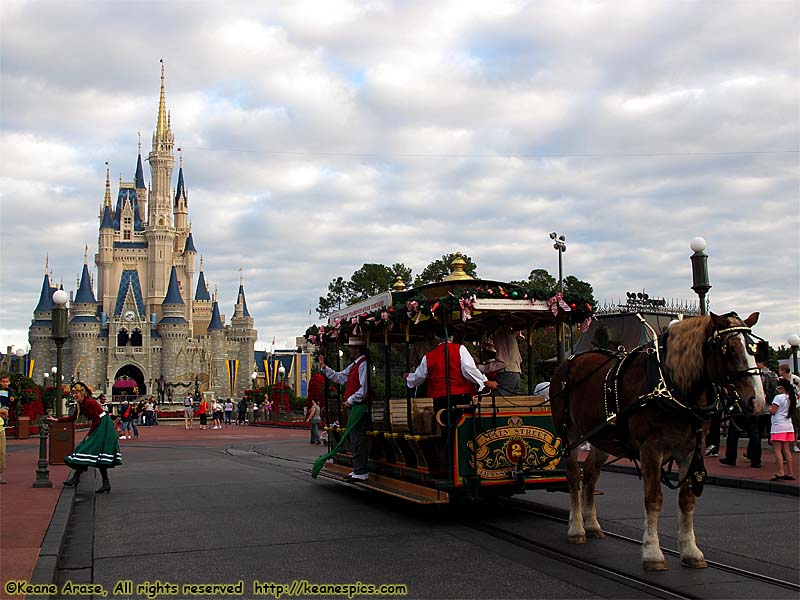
781, 422
340, 377
468, 370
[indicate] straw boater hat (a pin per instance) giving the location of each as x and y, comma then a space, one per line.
356, 341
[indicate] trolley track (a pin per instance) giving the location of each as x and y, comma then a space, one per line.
679, 582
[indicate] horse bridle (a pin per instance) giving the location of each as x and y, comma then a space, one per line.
724, 386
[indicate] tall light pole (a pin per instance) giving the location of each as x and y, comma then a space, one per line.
794, 342
59, 335
560, 245
700, 283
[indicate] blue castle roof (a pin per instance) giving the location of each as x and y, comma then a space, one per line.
245, 312
181, 190
85, 293
108, 222
202, 289
189, 246
128, 195
174, 291
139, 174
129, 280
216, 321
46, 297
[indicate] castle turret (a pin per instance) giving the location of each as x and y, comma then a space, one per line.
201, 308
105, 247
216, 334
84, 328
244, 335
40, 332
141, 188
159, 233
173, 326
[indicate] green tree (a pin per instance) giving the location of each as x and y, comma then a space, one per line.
370, 279
402, 271
338, 297
439, 269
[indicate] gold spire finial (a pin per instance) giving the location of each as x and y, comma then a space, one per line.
399, 285
85, 254
107, 201
161, 124
139, 133
241, 275
201, 262
46, 262
457, 269
180, 156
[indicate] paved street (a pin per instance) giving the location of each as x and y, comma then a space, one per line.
219, 507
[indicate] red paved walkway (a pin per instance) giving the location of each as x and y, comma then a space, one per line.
25, 512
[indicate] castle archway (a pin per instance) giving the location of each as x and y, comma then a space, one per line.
129, 381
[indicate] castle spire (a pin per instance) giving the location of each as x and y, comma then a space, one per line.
174, 291
107, 201
85, 292
161, 126
139, 170
46, 296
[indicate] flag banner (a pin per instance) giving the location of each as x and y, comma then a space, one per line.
233, 372
275, 365
266, 372
29, 362
305, 375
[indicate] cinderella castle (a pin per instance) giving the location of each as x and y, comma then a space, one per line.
144, 332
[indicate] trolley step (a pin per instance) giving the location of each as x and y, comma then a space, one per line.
386, 485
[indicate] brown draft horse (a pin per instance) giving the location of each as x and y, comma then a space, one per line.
709, 359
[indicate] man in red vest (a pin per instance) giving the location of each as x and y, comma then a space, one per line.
449, 368
354, 378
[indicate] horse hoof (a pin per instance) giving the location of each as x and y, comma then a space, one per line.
655, 565
694, 563
577, 539
596, 534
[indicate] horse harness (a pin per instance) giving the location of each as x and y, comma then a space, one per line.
663, 393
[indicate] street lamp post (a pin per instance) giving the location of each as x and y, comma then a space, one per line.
560, 245
794, 342
20, 354
700, 283
59, 335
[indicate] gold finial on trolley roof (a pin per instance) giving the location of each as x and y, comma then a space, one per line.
399, 285
457, 269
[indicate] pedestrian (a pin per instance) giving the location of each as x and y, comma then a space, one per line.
453, 378
242, 408
202, 410
100, 447
354, 379
127, 415
5, 410
782, 434
785, 373
267, 408
228, 410
188, 411
753, 426
140, 411
216, 414
149, 412
314, 417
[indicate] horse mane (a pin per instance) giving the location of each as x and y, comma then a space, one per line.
684, 359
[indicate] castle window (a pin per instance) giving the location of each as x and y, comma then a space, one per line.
136, 338
122, 338
126, 234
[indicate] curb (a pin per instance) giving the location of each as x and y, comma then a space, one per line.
742, 484
46, 565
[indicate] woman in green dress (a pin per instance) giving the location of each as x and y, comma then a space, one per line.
100, 447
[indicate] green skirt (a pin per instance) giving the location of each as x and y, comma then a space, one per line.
99, 449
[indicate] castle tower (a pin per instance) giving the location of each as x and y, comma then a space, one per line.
243, 334
216, 334
159, 233
173, 327
84, 328
141, 189
180, 210
105, 247
201, 308
40, 332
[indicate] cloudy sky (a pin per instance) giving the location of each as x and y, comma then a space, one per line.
319, 136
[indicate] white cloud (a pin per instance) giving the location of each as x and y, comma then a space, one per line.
319, 136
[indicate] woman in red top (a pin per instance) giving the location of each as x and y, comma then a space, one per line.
100, 447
